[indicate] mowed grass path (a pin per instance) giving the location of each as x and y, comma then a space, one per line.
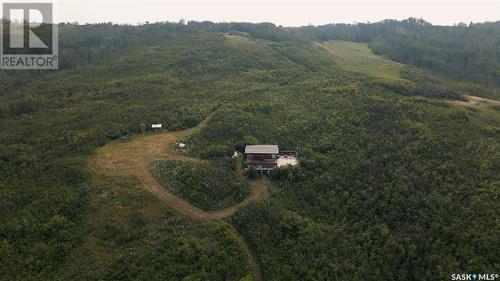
135, 157
358, 57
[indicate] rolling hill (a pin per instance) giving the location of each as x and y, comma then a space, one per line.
398, 175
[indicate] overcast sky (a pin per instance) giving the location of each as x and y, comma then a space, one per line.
280, 12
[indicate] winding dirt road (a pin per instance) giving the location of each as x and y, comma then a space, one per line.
134, 158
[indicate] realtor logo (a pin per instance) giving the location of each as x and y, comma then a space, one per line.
29, 36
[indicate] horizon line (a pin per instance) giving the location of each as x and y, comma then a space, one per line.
187, 21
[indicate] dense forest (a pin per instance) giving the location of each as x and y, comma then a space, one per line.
398, 180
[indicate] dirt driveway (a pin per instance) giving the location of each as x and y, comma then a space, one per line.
134, 158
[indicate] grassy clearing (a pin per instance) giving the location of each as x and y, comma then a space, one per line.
481, 109
237, 40
250, 46
357, 57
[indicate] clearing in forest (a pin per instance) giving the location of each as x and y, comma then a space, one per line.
358, 57
135, 157
486, 111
